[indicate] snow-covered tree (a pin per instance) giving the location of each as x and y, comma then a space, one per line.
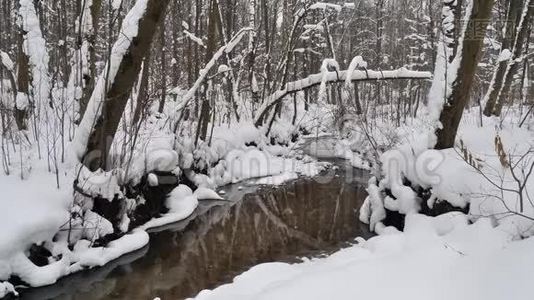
456, 64
110, 95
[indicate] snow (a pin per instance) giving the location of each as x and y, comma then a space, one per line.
485, 184
204, 72
6, 60
223, 69
152, 179
325, 6
505, 55
86, 19
181, 203
6, 288
99, 183
194, 38
316, 79
276, 179
116, 4
357, 62
34, 216
185, 25
22, 100
34, 220
203, 193
434, 258
253, 163
89, 257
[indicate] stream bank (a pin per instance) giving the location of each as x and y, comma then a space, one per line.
305, 217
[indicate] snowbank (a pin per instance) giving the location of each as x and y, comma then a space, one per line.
34, 211
435, 258
476, 172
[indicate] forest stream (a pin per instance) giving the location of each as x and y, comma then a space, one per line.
305, 217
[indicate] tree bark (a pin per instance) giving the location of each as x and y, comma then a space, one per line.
163, 83
213, 32
88, 79
116, 97
23, 84
514, 63
497, 81
470, 54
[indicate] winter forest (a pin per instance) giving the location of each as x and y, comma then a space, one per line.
266, 149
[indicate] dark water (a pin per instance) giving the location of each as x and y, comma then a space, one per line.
305, 217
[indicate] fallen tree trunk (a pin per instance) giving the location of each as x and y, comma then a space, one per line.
333, 77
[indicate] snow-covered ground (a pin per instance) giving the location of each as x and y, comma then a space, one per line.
434, 258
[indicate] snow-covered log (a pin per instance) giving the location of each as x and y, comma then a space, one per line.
332, 77
104, 111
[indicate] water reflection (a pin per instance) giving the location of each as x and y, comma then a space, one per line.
302, 218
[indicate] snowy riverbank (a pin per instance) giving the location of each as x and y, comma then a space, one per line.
41, 215
434, 258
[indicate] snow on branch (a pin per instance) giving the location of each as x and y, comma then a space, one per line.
194, 38
332, 77
325, 6
204, 72
6, 61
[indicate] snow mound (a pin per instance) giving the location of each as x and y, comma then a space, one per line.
203, 193
181, 203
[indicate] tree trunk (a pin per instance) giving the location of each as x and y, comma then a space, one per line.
163, 83
142, 96
468, 61
118, 90
88, 79
23, 84
514, 63
213, 31
497, 81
